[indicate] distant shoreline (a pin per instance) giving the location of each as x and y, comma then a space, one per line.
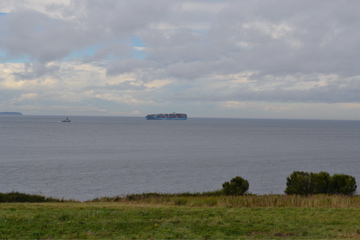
11, 113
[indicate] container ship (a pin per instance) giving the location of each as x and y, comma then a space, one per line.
166, 116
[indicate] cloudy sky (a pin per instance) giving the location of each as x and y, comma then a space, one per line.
207, 58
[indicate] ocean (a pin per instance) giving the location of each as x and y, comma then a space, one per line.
94, 157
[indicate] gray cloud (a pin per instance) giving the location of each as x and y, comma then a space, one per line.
337, 92
293, 51
320, 36
35, 71
125, 86
33, 34
86, 23
276, 37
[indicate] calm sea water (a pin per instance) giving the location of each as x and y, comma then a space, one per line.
108, 156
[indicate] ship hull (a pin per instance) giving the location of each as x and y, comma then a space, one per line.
155, 118
166, 116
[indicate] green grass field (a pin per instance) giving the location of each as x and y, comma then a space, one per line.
185, 217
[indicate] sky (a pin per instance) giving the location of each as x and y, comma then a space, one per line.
286, 59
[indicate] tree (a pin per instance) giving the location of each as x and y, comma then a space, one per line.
298, 183
304, 183
342, 184
319, 183
236, 186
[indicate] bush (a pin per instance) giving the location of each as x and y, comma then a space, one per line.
236, 186
342, 184
23, 197
304, 183
298, 183
319, 183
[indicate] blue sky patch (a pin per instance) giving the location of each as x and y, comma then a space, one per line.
4, 58
89, 51
138, 44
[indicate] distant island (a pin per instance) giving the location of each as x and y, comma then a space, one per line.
11, 113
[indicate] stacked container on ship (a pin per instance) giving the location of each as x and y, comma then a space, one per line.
166, 116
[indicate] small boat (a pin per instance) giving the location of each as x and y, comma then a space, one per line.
66, 120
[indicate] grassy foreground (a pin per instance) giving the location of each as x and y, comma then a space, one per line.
185, 217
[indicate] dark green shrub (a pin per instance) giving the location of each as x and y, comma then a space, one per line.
342, 184
298, 183
23, 197
304, 183
319, 183
236, 186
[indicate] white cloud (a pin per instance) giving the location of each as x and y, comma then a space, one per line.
7, 6
27, 96
276, 31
